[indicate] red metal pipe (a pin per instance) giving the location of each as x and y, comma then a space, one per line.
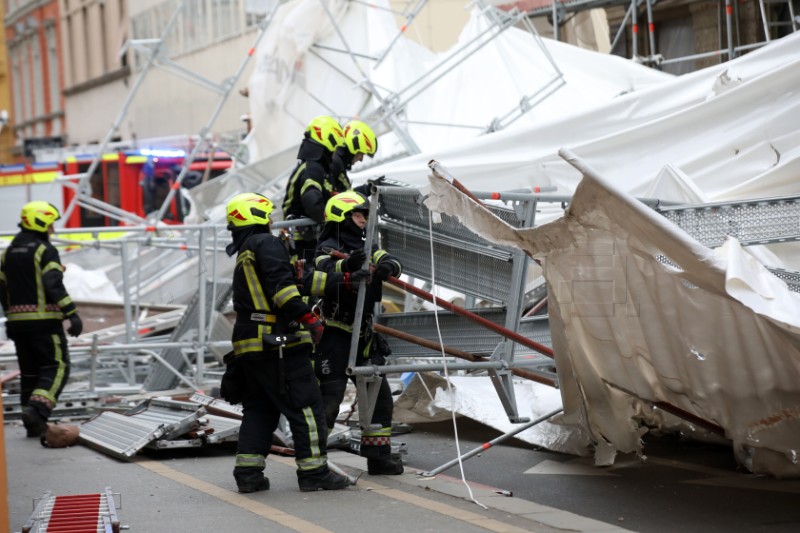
505, 332
425, 295
461, 354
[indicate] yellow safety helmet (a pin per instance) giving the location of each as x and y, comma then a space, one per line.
326, 131
360, 139
341, 204
249, 209
38, 216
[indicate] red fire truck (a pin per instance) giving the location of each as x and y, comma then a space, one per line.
136, 181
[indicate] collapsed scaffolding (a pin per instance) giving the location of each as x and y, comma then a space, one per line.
153, 266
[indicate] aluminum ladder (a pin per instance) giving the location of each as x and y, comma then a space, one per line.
74, 513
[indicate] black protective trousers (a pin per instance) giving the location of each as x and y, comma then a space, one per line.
43, 361
298, 398
330, 365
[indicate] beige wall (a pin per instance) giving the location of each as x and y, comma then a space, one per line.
437, 25
169, 105
95, 76
91, 113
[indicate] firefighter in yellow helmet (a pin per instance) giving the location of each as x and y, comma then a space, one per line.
344, 231
310, 186
270, 370
358, 140
35, 304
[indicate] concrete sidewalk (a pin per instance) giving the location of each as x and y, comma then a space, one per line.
193, 490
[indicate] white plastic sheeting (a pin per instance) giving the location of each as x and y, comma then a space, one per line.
728, 132
476, 398
301, 71
713, 334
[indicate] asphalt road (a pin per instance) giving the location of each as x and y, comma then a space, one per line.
678, 486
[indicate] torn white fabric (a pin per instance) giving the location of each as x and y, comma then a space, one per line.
476, 398
643, 315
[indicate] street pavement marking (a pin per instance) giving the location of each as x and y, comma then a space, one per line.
234, 498
442, 508
575, 467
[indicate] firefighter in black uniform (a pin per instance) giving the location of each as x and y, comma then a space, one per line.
35, 303
310, 185
358, 140
346, 216
270, 372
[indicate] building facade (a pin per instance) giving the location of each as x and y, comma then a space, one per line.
32, 31
6, 110
96, 75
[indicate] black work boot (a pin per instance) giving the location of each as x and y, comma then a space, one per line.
250, 479
385, 466
321, 479
35, 423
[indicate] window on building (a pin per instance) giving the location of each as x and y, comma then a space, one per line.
16, 80
225, 18
195, 27
26, 80
38, 77
53, 69
255, 11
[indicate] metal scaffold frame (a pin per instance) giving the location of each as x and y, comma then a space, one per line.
389, 113
559, 9
153, 50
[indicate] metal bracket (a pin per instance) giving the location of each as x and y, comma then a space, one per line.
503, 384
367, 388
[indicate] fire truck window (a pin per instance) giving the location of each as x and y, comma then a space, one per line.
88, 217
163, 180
112, 195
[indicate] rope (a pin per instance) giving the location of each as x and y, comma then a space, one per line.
446, 371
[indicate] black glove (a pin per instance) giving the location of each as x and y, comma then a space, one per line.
384, 270
356, 260
75, 325
352, 279
314, 326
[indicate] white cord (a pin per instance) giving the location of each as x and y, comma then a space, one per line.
444, 360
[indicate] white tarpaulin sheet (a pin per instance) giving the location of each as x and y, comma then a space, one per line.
301, 71
730, 130
709, 333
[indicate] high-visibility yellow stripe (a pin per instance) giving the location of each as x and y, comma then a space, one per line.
29, 177
87, 236
285, 294
250, 460
287, 202
246, 261
37, 259
318, 282
50, 393
309, 184
52, 265
317, 459
63, 302
247, 346
45, 315
383, 432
